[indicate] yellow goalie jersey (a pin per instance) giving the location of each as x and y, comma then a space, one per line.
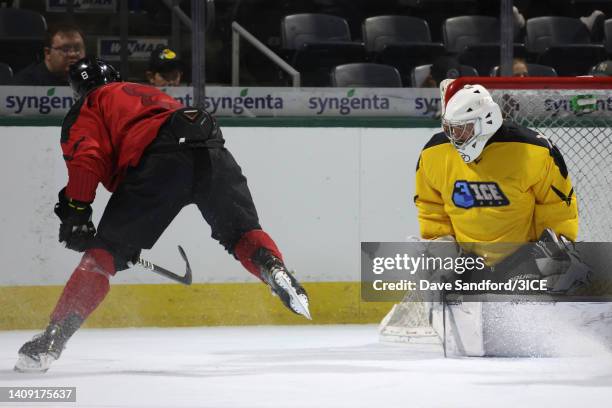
516, 188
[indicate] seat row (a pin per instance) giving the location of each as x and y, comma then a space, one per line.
313, 43
374, 75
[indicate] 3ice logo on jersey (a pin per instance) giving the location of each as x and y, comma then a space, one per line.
469, 194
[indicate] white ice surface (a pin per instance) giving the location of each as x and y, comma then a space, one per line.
309, 366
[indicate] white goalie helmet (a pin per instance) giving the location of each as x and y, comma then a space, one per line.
470, 118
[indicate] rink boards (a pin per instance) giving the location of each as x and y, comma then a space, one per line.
319, 192
212, 304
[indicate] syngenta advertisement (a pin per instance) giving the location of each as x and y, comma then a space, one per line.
250, 102
254, 102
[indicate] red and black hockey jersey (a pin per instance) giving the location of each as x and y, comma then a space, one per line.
107, 131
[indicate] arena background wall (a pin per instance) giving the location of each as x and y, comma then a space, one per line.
319, 191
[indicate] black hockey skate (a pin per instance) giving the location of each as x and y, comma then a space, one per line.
282, 282
38, 354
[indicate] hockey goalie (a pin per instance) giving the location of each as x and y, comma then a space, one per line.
482, 182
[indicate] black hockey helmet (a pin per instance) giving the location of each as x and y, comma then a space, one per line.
89, 73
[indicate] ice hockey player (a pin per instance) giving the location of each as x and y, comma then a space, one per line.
484, 181
155, 156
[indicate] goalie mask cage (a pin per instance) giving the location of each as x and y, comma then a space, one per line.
576, 115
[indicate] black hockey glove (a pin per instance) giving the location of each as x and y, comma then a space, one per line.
560, 263
76, 229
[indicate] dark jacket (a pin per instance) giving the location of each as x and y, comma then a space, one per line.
38, 75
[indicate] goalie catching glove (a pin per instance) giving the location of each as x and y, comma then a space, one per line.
559, 262
76, 229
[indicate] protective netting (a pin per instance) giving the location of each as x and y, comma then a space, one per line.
579, 123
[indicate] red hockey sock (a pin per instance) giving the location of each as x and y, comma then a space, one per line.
87, 286
249, 243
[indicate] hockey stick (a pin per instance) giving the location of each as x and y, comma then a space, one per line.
185, 280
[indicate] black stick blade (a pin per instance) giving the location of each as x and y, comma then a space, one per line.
185, 280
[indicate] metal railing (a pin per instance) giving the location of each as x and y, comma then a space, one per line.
239, 31
202, 19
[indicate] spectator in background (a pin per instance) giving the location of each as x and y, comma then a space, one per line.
594, 21
603, 69
595, 24
519, 20
165, 69
446, 67
64, 45
519, 68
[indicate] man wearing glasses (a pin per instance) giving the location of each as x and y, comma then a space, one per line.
64, 45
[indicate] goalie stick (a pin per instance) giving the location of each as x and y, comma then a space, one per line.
185, 280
